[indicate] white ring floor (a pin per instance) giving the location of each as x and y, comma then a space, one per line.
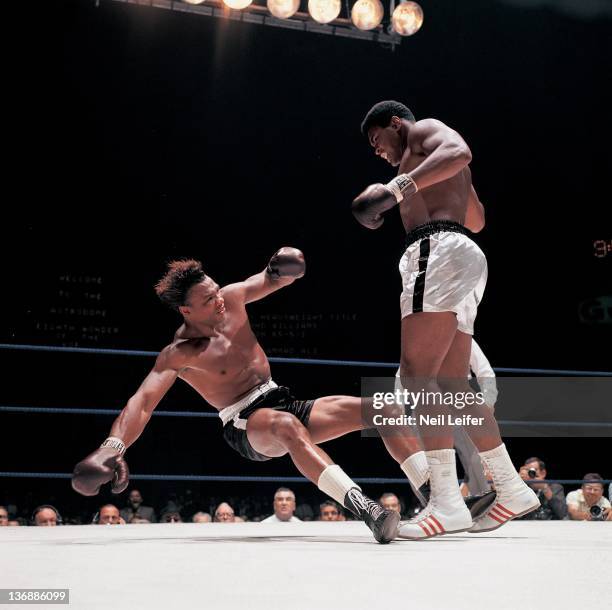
521, 566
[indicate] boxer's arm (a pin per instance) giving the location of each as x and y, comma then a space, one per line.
135, 415
285, 266
447, 153
474, 214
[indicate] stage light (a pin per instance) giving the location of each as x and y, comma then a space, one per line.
194, 1
237, 4
407, 18
283, 9
324, 11
367, 14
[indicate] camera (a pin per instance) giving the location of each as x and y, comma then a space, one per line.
596, 513
532, 473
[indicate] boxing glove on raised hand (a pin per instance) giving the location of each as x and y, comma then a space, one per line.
287, 262
104, 465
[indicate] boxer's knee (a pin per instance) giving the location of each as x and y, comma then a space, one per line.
288, 430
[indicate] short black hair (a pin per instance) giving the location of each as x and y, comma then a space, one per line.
181, 275
541, 464
380, 115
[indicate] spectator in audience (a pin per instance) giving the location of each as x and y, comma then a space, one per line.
329, 511
201, 517
109, 515
391, 502
46, 515
551, 495
224, 513
588, 502
610, 492
284, 507
304, 512
4, 517
135, 508
171, 517
138, 520
14, 522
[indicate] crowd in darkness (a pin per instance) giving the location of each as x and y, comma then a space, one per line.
587, 503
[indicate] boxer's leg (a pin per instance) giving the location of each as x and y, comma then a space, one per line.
275, 433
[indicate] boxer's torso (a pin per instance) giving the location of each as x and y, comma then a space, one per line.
224, 367
445, 200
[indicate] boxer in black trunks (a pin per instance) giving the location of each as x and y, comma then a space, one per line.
216, 352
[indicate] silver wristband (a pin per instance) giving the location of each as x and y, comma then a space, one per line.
114, 443
402, 186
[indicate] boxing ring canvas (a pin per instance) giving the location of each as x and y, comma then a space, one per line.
310, 565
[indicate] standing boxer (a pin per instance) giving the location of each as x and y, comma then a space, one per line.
443, 274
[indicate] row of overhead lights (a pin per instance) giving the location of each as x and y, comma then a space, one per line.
406, 18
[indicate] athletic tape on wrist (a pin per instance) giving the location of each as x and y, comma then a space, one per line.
402, 186
114, 443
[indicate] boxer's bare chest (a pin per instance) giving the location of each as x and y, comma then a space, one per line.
446, 200
224, 366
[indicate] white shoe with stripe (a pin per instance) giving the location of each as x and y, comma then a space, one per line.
506, 507
433, 522
446, 511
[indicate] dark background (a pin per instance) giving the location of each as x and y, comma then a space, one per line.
136, 135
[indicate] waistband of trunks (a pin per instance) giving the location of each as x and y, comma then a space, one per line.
435, 226
229, 413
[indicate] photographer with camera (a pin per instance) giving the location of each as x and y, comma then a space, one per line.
588, 503
550, 495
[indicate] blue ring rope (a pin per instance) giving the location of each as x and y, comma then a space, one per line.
81, 411
280, 360
253, 479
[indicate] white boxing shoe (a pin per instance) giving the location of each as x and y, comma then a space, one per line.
446, 512
509, 505
433, 521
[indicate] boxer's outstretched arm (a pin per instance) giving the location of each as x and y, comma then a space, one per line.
447, 153
136, 414
284, 268
475, 213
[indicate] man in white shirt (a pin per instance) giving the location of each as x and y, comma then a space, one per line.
284, 507
588, 503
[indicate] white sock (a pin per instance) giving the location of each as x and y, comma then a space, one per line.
335, 483
445, 491
501, 467
416, 468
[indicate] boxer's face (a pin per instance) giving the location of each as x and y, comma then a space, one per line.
386, 141
204, 303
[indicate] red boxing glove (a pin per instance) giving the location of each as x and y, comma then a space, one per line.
287, 262
102, 466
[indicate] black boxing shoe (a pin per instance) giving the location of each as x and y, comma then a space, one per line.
479, 504
422, 493
382, 522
